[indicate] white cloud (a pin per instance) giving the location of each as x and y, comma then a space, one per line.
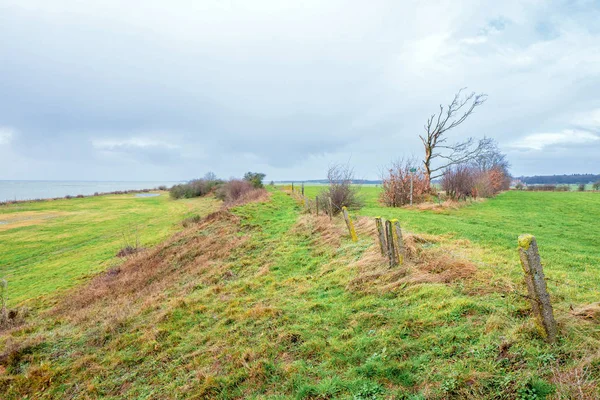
540, 141
6, 135
131, 143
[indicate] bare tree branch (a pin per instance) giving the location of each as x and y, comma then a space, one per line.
449, 117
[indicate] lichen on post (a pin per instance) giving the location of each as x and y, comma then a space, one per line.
536, 287
349, 224
389, 235
398, 241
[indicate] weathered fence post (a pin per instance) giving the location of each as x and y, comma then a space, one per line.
317, 204
330, 208
389, 236
398, 241
536, 286
381, 234
302, 189
349, 224
292, 187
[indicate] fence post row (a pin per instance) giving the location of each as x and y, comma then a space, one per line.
349, 224
536, 287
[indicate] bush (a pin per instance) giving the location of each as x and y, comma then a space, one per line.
581, 187
255, 178
542, 188
459, 182
233, 190
341, 191
195, 188
396, 184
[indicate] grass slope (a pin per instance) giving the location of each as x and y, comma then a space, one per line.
269, 303
49, 246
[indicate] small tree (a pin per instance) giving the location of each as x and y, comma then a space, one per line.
210, 176
596, 185
581, 187
340, 190
255, 178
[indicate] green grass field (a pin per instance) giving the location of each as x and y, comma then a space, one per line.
565, 225
273, 303
49, 246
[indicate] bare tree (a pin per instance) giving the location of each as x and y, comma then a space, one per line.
341, 189
492, 158
435, 139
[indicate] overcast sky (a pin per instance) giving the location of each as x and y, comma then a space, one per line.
167, 90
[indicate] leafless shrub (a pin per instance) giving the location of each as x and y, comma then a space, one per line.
459, 182
397, 181
194, 219
233, 190
131, 242
340, 190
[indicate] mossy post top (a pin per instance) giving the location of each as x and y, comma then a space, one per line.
525, 241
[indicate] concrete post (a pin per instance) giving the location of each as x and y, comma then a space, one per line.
398, 241
536, 287
381, 234
389, 235
349, 224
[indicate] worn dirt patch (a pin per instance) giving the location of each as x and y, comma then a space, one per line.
27, 218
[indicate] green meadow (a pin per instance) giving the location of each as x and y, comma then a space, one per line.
49, 246
266, 301
564, 223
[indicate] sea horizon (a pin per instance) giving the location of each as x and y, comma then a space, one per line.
23, 190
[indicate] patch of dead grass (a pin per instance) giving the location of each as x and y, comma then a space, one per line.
197, 251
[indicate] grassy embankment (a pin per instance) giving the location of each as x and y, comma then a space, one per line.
49, 246
270, 303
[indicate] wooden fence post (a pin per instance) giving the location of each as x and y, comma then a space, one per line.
330, 208
536, 287
350, 224
317, 204
292, 187
390, 243
381, 234
398, 241
302, 189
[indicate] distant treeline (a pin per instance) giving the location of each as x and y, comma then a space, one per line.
560, 179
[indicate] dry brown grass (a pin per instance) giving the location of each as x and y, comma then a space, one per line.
422, 264
140, 282
321, 229
575, 383
445, 205
253, 196
589, 312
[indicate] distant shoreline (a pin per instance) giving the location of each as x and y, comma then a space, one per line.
81, 196
18, 191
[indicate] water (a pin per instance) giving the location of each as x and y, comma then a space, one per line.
29, 190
